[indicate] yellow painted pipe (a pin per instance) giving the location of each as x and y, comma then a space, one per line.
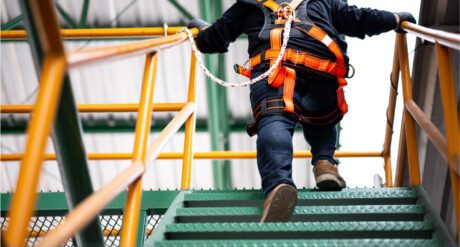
402, 151
89, 208
199, 155
134, 197
433, 133
51, 78
80, 216
390, 118
451, 122
108, 232
189, 129
23, 202
414, 167
451, 40
134, 48
88, 108
100, 33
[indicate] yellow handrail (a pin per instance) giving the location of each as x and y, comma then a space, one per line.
390, 119
86, 108
213, 155
451, 122
189, 129
414, 170
44, 112
86, 33
56, 62
447, 39
448, 147
91, 206
144, 119
91, 55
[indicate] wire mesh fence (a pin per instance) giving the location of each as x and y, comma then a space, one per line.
111, 227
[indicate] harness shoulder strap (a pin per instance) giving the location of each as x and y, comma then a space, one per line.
269, 4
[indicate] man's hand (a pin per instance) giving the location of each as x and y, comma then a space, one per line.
198, 23
404, 16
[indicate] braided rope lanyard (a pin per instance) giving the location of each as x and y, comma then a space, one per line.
198, 55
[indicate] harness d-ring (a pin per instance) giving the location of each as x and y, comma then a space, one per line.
285, 10
348, 72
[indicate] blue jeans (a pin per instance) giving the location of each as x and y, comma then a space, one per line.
274, 142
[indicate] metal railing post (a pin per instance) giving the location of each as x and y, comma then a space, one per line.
44, 112
451, 122
189, 129
414, 167
144, 119
390, 118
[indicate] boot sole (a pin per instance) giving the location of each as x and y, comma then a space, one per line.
329, 182
282, 204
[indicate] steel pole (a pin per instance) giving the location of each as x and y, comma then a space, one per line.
217, 103
411, 140
144, 120
451, 122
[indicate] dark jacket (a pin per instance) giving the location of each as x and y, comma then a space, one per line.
335, 17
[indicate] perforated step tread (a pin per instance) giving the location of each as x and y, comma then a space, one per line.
311, 213
296, 230
303, 243
392, 196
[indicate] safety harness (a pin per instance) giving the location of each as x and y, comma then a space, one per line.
284, 75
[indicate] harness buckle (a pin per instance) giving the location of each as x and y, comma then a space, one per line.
296, 57
285, 10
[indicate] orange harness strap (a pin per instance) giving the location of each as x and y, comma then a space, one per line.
282, 75
270, 4
300, 58
321, 36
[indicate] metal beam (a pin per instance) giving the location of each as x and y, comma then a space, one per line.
182, 9
12, 125
66, 16
13, 23
55, 203
217, 102
84, 14
67, 138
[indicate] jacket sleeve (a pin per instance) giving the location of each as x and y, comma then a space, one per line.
359, 22
226, 29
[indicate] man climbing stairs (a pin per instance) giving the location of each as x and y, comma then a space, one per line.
351, 217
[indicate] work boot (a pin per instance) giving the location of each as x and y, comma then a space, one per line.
279, 204
327, 176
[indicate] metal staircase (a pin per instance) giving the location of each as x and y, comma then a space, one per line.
351, 217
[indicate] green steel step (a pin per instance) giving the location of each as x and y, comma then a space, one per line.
306, 214
299, 230
384, 196
303, 243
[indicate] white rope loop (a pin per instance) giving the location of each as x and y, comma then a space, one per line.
198, 56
